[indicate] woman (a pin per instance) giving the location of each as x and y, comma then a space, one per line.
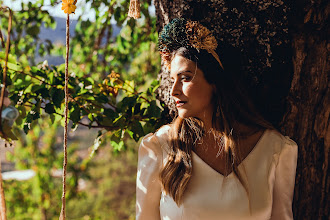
219, 159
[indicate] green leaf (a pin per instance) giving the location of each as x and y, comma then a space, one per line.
75, 114
102, 98
33, 30
27, 123
11, 58
155, 88
137, 130
110, 113
149, 127
35, 114
127, 102
49, 108
137, 108
90, 117
154, 110
129, 86
11, 66
26, 127
8, 130
131, 133
52, 118
120, 121
40, 90
57, 96
37, 71
8, 79
116, 135
154, 83
117, 146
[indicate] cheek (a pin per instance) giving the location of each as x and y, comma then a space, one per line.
198, 94
189, 90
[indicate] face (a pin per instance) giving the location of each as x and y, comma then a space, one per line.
191, 92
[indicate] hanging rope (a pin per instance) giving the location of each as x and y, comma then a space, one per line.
65, 159
68, 6
3, 214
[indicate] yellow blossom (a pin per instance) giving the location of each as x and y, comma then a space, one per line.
113, 74
68, 6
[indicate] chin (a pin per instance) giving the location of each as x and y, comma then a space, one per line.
184, 114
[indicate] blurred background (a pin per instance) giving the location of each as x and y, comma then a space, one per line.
113, 68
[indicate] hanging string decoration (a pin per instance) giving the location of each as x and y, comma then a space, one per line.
69, 7
134, 9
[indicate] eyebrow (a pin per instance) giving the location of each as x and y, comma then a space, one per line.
184, 71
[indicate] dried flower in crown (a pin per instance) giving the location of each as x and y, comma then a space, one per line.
185, 33
166, 58
200, 37
68, 6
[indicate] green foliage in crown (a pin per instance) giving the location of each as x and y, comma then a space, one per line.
173, 35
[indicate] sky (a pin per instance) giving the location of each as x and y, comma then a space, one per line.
56, 10
83, 9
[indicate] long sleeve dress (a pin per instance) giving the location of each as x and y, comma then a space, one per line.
269, 170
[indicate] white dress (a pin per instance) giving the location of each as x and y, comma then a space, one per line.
269, 169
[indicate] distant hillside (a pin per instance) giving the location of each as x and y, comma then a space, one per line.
58, 36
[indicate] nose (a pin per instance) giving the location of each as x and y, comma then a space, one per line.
176, 89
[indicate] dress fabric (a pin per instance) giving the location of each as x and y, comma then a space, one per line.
269, 169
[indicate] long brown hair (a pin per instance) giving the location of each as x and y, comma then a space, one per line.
231, 107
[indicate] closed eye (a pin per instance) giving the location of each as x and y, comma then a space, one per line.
182, 76
185, 78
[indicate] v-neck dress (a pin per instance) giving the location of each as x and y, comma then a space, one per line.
269, 169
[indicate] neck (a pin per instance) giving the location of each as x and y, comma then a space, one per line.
239, 130
207, 120
243, 131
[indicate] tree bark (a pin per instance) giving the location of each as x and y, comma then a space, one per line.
307, 118
286, 47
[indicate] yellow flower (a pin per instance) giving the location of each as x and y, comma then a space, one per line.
68, 6
113, 74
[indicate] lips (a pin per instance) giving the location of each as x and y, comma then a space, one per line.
180, 103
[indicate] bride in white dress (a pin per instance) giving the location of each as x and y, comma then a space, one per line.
219, 158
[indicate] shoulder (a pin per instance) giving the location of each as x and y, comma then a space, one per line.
280, 141
161, 135
157, 141
163, 131
281, 145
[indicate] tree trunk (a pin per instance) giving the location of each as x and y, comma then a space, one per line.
307, 119
286, 47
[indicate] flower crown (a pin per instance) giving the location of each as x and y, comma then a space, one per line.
185, 33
